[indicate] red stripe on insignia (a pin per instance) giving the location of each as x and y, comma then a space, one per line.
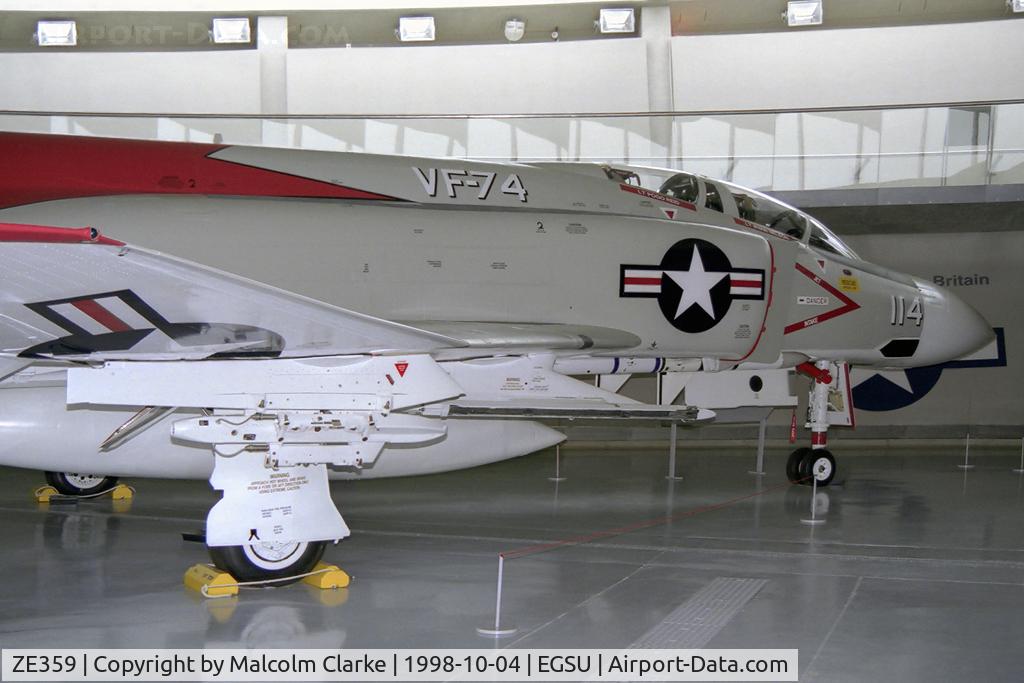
746, 283
641, 281
97, 312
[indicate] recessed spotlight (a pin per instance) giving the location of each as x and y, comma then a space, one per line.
56, 33
412, 29
618, 20
231, 30
803, 13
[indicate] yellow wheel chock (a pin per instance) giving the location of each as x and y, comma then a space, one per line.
328, 576
211, 582
122, 492
44, 493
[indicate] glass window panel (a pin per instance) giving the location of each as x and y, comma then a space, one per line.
1007, 144
489, 139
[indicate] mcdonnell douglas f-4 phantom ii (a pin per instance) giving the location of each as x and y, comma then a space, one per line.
355, 315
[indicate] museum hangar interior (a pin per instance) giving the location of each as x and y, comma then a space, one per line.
898, 125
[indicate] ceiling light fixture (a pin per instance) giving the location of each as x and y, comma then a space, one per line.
803, 13
618, 20
56, 33
231, 30
413, 29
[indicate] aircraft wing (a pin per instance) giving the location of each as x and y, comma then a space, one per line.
72, 294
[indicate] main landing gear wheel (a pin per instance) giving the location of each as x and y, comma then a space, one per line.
262, 561
75, 484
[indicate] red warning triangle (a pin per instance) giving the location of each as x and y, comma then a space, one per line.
401, 366
669, 213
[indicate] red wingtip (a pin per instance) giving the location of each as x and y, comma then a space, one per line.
20, 232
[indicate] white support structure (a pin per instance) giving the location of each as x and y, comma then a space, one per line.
739, 389
272, 47
762, 429
269, 505
672, 443
274, 426
612, 383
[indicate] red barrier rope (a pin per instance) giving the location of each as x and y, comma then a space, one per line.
636, 526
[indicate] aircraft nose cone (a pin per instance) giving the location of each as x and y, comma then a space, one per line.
951, 328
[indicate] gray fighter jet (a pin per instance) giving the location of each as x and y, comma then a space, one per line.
270, 318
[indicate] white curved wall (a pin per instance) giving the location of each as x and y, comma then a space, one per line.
594, 75
200, 82
850, 67
786, 69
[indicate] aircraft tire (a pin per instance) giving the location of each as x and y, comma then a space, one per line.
75, 484
265, 561
793, 464
818, 464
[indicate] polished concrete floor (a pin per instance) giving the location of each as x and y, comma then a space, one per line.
917, 574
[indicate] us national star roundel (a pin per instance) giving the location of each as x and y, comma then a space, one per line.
695, 284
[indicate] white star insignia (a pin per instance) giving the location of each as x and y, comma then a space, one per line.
896, 377
696, 284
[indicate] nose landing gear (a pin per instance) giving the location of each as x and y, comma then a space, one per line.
816, 464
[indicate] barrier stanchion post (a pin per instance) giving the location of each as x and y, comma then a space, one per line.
558, 464
498, 631
813, 521
966, 464
672, 441
761, 434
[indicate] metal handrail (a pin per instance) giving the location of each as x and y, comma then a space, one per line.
539, 115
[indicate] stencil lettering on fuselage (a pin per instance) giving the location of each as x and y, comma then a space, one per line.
450, 180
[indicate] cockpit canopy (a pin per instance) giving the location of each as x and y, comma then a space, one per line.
740, 202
